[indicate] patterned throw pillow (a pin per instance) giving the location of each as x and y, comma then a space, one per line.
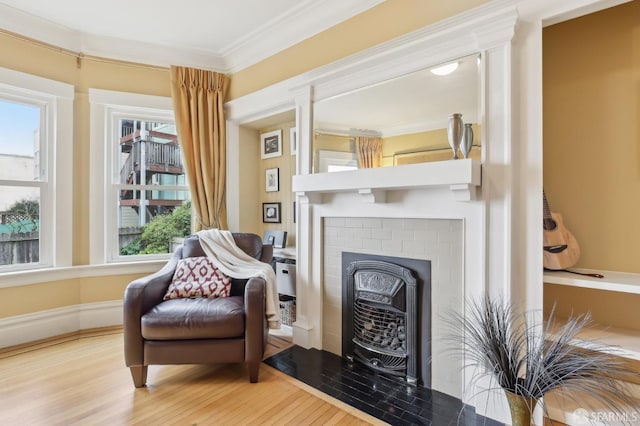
198, 277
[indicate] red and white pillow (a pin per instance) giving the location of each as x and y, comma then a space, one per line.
198, 277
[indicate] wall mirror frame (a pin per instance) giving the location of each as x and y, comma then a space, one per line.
408, 114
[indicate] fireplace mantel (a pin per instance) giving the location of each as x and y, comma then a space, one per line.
461, 176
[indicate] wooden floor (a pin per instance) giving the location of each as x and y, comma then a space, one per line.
85, 382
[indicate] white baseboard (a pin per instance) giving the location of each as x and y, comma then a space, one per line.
26, 328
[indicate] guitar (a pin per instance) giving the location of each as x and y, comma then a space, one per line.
561, 249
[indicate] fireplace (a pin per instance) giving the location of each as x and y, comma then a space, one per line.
386, 321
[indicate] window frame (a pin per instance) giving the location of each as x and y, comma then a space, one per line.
107, 108
55, 100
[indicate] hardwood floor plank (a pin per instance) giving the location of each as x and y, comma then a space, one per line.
83, 381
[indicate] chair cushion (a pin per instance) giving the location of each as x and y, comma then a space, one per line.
200, 318
198, 277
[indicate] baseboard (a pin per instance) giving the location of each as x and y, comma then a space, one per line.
27, 328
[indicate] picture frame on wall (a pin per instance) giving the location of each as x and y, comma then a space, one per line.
271, 213
272, 180
271, 144
293, 140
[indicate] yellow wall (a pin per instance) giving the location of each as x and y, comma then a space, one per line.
591, 133
382, 23
286, 164
250, 219
611, 308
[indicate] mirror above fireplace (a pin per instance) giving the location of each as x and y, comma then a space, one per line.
409, 113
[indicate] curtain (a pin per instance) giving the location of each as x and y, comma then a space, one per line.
198, 103
369, 152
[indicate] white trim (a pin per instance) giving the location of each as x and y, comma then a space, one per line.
26, 328
35, 85
452, 38
56, 143
309, 18
47, 275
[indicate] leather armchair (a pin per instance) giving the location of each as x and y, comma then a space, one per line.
196, 331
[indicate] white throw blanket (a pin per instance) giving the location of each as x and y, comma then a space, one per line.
220, 246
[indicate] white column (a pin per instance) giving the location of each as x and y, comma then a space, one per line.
307, 330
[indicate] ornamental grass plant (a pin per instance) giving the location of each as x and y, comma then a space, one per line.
529, 359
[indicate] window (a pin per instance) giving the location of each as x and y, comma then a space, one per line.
336, 161
35, 158
140, 199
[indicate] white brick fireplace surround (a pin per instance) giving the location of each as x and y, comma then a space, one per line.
437, 240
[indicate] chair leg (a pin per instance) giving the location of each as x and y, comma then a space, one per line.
253, 371
139, 375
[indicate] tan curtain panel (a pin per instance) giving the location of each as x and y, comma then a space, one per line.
369, 152
198, 103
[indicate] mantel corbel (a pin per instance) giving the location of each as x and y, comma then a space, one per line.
309, 197
370, 195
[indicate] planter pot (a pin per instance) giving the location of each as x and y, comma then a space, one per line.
521, 408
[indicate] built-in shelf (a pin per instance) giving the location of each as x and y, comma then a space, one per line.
625, 344
622, 342
612, 281
584, 410
288, 252
462, 177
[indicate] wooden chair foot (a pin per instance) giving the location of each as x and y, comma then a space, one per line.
253, 371
139, 375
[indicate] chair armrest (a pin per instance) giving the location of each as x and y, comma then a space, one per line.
256, 319
140, 296
267, 253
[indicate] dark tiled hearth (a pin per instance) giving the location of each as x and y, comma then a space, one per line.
380, 396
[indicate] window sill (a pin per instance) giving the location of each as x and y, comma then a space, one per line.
44, 275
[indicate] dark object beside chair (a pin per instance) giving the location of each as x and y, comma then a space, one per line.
196, 331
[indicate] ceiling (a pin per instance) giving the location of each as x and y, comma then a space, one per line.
224, 35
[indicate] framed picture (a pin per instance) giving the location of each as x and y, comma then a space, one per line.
271, 212
293, 139
272, 179
271, 144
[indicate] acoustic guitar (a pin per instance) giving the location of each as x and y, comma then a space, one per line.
561, 249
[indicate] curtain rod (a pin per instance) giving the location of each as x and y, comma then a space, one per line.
79, 55
351, 133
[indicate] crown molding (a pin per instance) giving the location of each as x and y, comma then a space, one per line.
454, 37
307, 19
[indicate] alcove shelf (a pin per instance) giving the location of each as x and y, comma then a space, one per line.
613, 281
622, 341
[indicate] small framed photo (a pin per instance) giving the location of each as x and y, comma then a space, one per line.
272, 179
293, 139
271, 144
271, 212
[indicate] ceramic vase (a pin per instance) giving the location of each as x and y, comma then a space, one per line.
467, 140
455, 132
521, 408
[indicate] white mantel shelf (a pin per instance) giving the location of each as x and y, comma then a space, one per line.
613, 281
461, 176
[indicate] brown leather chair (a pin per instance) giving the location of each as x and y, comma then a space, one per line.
196, 331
